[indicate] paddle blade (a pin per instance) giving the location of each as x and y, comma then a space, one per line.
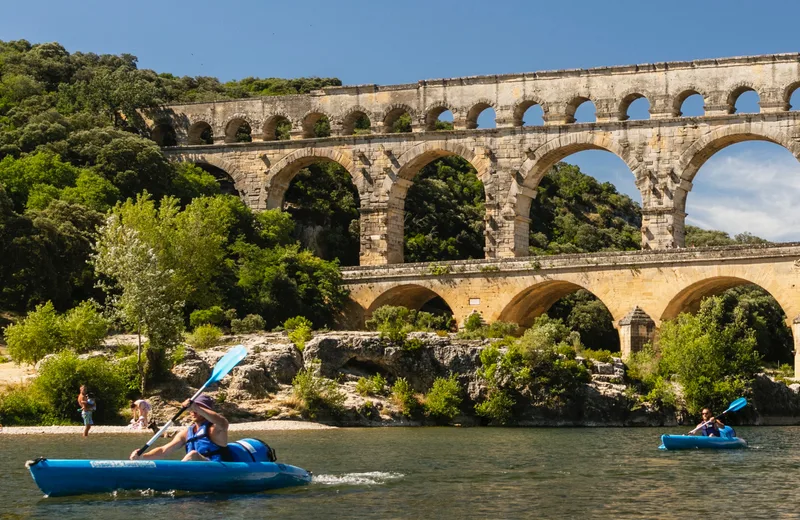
226, 363
737, 405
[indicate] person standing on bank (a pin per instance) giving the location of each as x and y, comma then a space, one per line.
206, 439
88, 406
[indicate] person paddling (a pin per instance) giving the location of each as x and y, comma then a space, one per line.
206, 439
710, 426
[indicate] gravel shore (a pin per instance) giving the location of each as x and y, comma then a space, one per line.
77, 430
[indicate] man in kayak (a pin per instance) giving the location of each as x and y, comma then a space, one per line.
710, 426
206, 439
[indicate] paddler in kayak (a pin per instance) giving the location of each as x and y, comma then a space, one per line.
206, 439
710, 426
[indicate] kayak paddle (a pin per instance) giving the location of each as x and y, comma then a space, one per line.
734, 407
223, 366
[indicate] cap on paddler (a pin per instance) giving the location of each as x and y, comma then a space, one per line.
205, 401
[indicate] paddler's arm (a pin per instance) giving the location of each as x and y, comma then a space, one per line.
218, 434
156, 453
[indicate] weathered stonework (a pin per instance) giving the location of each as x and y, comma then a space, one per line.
663, 153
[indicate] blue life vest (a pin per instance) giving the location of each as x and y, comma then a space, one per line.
203, 444
710, 430
250, 450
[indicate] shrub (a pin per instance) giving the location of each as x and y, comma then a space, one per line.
473, 322
205, 336
443, 400
248, 324
394, 323
211, 316
23, 406
37, 335
404, 397
604, 356
376, 385
297, 321
128, 369
317, 393
84, 327
497, 407
61, 376
498, 329
299, 329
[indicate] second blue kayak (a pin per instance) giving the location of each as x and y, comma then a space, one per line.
696, 442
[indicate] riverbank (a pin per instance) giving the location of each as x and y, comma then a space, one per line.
77, 430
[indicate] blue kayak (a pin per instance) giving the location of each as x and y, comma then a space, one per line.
62, 477
727, 441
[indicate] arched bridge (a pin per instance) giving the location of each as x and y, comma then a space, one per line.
640, 289
663, 152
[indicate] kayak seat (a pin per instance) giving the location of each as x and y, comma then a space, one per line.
727, 432
250, 450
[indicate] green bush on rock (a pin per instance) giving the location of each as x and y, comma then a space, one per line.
443, 400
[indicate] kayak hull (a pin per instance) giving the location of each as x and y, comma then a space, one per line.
694, 442
64, 477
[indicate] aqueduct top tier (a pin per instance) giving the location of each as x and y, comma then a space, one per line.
663, 152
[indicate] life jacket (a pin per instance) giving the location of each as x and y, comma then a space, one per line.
711, 430
250, 450
202, 443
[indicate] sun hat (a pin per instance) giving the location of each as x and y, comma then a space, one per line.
205, 401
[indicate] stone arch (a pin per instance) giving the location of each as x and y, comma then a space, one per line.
677, 102
433, 112
523, 105
230, 168
392, 113
573, 104
477, 108
736, 91
310, 119
163, 133
270, 128
232, 125
412, 296
420, 155
351, 116
701, 150
535, 300
282, 173
629, 97
196, 131
689, 297
788, 91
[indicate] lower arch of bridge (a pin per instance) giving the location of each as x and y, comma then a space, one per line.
231, 180
286, 169
689, 298
536, 300
411, 296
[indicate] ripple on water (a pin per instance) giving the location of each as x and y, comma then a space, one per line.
370, 478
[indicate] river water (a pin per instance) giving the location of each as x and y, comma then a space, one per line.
450, 473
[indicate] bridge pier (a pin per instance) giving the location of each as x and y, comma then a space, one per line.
636, 330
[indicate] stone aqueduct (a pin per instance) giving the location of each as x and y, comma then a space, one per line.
664, 153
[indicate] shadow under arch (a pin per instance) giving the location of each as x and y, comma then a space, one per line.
536, 300
689, 298
217, 167
701, 151
286, 169
412, 296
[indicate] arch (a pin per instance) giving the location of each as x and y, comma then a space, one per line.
688, 299
523, 105
233, 125
696, 155
309, 120
787, 94
535, 300
393, 113
433, 113
677, 102
230, 168
283, 172
475, 111
412, 296
201, 132
351, 118
540, 160
164, 134
572, 107
627, 99
420, 155
737, 91
270, 129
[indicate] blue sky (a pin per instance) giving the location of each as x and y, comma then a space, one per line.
749, 186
